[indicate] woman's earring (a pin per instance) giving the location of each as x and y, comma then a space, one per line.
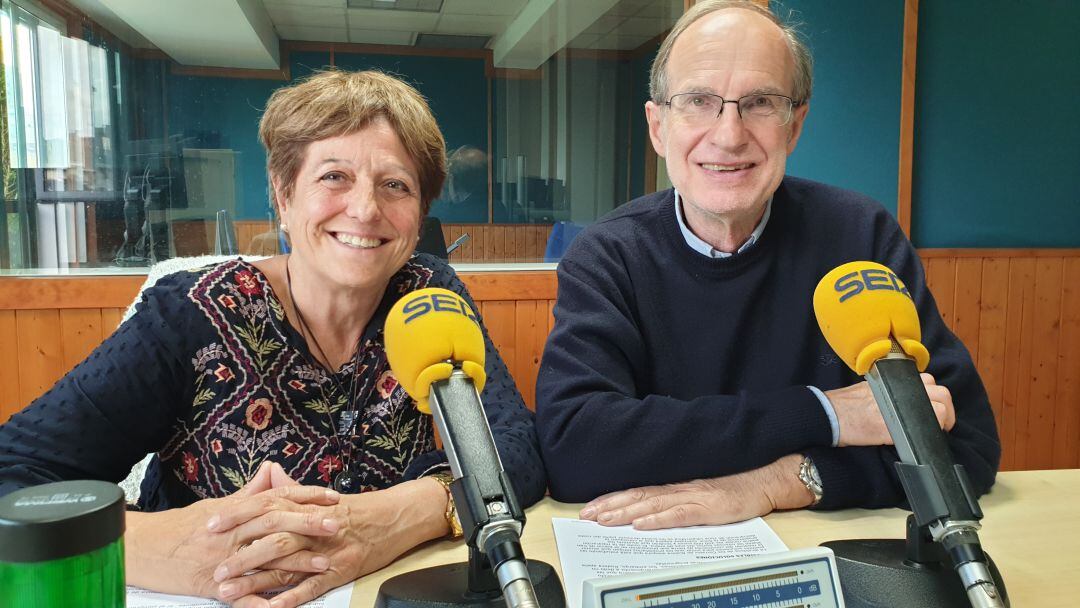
284, 228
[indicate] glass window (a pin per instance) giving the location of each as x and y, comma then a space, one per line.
126, 143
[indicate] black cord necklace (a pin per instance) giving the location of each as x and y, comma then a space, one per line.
344, 480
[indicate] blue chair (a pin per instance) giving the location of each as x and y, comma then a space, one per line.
562, 233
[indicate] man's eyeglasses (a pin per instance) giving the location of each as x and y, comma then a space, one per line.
757, 109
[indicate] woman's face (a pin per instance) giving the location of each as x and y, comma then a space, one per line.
354, 213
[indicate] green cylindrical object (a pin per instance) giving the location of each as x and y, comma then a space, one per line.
62, 545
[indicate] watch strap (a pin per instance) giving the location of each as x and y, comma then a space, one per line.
811, 478
445, 479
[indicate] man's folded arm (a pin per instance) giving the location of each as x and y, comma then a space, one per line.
866, 476
598, 436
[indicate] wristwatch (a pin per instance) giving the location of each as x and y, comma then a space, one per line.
445, 479
808, 474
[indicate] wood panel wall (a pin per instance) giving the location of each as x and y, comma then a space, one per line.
1017, 311
39, 345
498, 242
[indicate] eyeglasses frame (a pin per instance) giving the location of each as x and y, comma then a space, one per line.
738, 106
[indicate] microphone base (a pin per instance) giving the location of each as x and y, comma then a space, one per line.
447, 586
877, 573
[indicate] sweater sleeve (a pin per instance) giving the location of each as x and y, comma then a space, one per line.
109, 411
599, 432
866, 476
511, 422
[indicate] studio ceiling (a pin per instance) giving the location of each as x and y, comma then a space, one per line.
246, 33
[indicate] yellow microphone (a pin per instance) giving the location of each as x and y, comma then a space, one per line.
436, 350
868, 317
427, 332
861, 308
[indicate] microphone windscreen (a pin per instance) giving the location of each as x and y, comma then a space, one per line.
425, 331
859, 306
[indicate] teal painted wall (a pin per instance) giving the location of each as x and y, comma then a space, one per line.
851, 137
225, 112
997, 138
639, 129
984, 175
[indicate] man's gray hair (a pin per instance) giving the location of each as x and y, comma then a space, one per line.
800, 53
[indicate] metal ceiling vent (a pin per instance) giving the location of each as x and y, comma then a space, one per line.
422, 6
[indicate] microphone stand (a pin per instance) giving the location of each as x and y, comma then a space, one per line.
497, 573
942, 532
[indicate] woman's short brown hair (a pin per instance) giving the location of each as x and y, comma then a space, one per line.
333, 102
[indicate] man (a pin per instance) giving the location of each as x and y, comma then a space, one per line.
686, 376
466, 195
466, 191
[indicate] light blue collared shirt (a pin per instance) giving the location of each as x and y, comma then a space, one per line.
708, 250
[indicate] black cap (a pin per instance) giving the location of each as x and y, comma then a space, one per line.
59, 520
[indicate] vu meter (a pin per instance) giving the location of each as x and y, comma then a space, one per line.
804, 578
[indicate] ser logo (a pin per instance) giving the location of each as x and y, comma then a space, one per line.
870, 279
437, 302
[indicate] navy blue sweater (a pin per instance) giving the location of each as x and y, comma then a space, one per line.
665, 365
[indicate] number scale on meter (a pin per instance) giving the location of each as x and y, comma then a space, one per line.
788, 588
804, 578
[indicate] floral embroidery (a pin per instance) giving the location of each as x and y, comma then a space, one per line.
328, 466
259, 345
247, 284
258, 413
206, 355
255, 397
223, 373
386, 384
191, 467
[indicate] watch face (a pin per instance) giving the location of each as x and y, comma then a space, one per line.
809, 475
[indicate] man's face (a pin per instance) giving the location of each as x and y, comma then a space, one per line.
728, 168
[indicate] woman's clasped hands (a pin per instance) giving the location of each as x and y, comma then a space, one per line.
273, 533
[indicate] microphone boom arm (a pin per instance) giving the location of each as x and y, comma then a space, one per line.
939, 492
436, 348
491, 518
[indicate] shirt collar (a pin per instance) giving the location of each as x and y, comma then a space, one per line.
708, 250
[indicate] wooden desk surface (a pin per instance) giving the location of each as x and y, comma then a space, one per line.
1031, 528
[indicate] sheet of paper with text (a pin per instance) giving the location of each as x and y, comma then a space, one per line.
588, 550
141, 598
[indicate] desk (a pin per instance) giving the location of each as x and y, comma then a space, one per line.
1032, 529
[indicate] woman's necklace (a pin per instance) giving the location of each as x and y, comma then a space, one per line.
344, 480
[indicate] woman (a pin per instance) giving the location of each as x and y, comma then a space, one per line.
285, 445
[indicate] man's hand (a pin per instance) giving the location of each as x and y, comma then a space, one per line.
860, 419
177, 551
376, 528
719, 500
